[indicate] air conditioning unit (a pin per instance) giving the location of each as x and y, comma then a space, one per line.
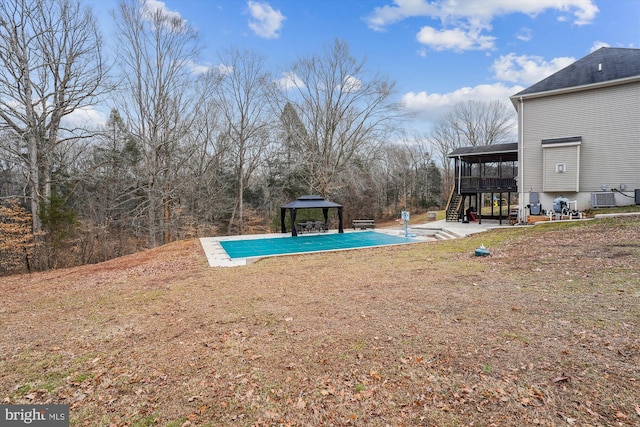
603, 200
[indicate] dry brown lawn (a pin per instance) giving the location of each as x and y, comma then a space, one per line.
545, 331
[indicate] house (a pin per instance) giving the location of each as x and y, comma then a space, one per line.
579, 134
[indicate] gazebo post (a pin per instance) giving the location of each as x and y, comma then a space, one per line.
340, 226
294, 232
283, 225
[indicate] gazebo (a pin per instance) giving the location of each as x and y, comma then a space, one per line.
309, 202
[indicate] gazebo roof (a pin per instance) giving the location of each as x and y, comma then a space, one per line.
310, 202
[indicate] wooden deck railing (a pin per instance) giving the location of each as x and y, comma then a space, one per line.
475, 184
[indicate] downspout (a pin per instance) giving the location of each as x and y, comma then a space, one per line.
521, 209
578, 174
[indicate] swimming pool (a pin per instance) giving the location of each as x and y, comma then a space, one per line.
272, 246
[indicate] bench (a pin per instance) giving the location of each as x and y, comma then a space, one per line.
363, 224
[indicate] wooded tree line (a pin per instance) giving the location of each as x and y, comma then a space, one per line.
190, 151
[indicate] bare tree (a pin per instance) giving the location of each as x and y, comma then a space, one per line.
482, 123
471, 123
345, 112
445, 138
426, 179
50, 65
205, 183
156, 51
239, 87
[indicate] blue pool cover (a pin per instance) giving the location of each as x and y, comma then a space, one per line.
249, 248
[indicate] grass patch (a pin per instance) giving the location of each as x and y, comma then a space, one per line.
423, 334
148, 421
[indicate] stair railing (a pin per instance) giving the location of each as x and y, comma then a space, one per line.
455, 204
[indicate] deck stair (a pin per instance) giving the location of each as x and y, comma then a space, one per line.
453, 207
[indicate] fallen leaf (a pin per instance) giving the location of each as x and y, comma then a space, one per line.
621, 416
561, 378
595, 414
301, 404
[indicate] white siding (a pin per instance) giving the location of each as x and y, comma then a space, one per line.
564, 181
607, 119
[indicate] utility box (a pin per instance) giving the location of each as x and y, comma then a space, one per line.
534, 204
603, 200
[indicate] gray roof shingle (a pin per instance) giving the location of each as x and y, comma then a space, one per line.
306, 202
488, 153
605, 64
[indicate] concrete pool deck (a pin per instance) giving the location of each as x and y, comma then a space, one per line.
426, 232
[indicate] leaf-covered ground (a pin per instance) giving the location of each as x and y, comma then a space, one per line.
545, 331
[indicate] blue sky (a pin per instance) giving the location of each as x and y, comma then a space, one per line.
439, 52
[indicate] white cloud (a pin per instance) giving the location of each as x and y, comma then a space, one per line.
527, 69
455, 39
463, 21
197, 68
223, 69
152, 7
352, 84
289, 80
597, 45
431, 107
382, 17
85, 117
525, 34
584, 11
586, 14
265, 21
